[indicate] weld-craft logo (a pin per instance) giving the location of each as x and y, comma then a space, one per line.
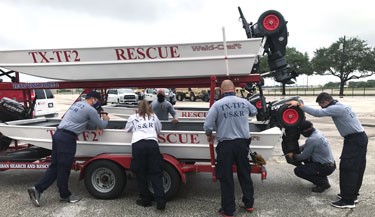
197, 48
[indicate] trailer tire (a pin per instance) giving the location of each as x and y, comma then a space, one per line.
105, 179
206, 98
171, 181
193, 98
290, 116
180, 97
271, 22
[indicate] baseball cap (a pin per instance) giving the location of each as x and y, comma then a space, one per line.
93, 94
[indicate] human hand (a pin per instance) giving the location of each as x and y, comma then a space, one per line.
175, 120
105, 117
290, 155
211, 138
295, 103
99, 131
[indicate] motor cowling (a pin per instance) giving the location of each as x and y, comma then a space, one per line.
11, 110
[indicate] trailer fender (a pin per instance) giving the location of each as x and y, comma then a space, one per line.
176, 164
123, 160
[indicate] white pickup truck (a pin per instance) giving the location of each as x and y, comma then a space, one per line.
124, 95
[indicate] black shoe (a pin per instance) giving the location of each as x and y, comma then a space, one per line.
343, 204
143, 203
355, 200
34, 196
320, 188
71, 199
160, 205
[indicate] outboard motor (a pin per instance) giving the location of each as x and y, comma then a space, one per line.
11, 110
271, 26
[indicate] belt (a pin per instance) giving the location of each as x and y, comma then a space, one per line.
353, 134
68, 132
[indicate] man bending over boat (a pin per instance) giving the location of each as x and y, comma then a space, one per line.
80, 116
163, 108
147, 160
229, 117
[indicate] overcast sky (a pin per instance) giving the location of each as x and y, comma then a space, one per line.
36, 24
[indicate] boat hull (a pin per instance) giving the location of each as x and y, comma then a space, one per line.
185, 140
136, 62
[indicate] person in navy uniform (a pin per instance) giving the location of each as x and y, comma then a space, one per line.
353, 155
81, 116
147, 160
163, 108
317, 157
229, 116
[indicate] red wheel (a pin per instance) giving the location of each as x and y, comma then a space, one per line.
271, 22
290, 116
258, 104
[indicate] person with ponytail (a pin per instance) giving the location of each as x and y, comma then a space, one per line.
147, 160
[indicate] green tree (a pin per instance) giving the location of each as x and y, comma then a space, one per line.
346, 59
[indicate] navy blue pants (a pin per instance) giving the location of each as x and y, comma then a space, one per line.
315, 172
352, 165
63, 150
230, 152
147, 164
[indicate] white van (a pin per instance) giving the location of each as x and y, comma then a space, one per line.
45, 104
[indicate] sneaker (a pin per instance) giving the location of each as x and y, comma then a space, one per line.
343, 204
160, 205
320, 188
34, 196
222, 213
355, 200
143, 203
71, 199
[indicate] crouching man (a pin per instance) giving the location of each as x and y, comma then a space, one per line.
319, 155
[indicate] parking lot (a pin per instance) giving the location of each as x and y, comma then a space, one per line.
281, 194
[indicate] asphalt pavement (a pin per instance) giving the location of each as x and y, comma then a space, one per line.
281, 194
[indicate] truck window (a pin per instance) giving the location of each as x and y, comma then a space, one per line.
112, 91
39, 94
49, 94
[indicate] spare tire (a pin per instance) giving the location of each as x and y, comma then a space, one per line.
271, 22
290, 116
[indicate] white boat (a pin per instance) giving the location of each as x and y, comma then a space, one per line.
183, 113
136, 62
185, 140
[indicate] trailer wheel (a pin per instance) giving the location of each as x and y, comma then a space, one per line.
193, 98
171, 181
290, 116
206, 98
180, 97
271, 22
105, 179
